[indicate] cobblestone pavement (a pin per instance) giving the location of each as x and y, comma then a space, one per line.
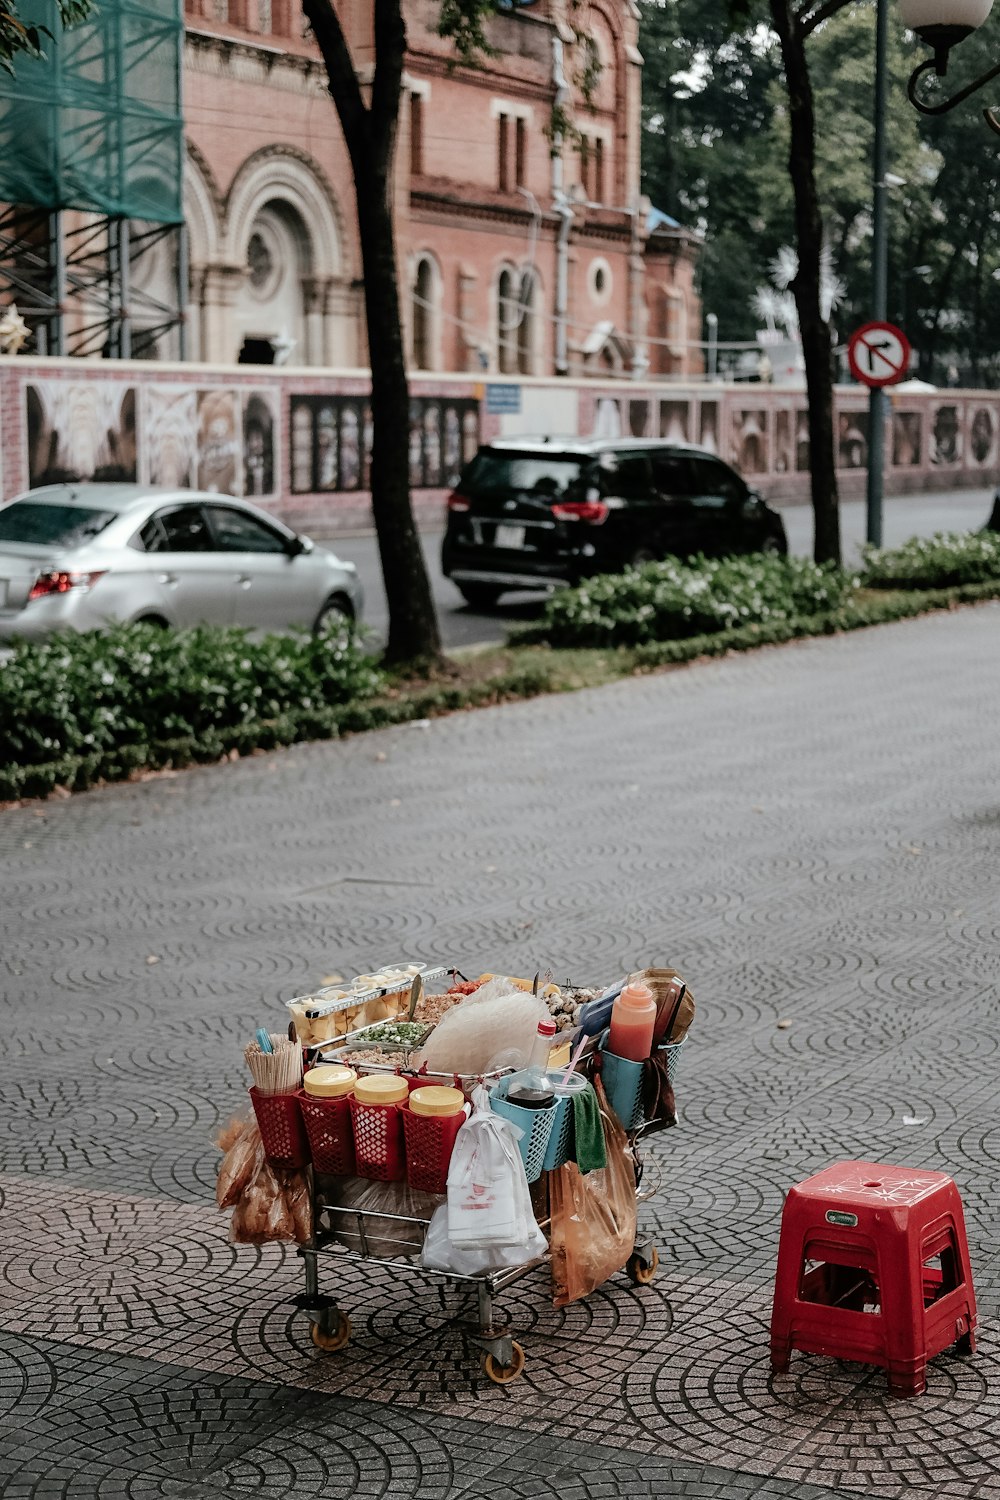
810, 834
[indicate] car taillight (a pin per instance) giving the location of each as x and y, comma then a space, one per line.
457, 502
591, 511
61, 583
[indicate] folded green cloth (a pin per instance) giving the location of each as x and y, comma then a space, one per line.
590, 1151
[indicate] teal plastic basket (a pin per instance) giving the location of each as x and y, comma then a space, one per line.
535, 1124
623, 1085
562, 1141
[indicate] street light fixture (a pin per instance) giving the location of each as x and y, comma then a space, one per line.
942, 24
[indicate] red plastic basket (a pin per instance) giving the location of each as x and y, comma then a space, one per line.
430, 1140
331, 1135
378, 1141
281, 1128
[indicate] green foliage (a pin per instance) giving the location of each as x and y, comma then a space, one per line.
108, 695
23, 38
670, 600
945, 560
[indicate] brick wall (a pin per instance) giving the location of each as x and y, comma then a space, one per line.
232, 429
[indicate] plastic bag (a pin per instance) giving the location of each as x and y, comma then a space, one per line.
498, 1015
593, 1218
382, 1237
275, 1205
439, 1254
244, 1151
487, 1185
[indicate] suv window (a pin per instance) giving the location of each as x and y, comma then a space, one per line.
235, 531
717, 485
674, 475
627, 475
181, 530
492, 472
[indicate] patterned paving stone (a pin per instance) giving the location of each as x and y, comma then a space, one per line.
811, 835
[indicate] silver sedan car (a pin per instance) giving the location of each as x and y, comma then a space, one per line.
81, 556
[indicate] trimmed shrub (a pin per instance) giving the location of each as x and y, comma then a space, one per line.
945, 560
672, 600
110, 698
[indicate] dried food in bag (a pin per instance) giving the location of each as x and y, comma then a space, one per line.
262, 1212
244, 1151
593, 1218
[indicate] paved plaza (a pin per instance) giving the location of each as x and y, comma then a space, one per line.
810, 834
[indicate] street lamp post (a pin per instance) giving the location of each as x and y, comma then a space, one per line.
942, 24
876, 396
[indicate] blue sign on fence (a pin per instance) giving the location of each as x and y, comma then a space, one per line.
503, 398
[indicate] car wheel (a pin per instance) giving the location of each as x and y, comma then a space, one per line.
335, 620
479, 595
157, 620
773, 546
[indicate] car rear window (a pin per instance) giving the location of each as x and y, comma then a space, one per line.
46, 525
492, 473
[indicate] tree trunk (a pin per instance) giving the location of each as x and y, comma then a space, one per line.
817, 346
413, 627
370, 134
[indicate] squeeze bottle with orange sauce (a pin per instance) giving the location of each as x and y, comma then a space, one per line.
633, 1017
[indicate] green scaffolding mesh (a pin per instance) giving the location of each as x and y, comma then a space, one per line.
97, 124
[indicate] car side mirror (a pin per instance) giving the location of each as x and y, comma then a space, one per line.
297, 546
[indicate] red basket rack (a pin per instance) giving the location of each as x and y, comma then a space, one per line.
281, 1128
430, 1140
378, 1141
331, 1133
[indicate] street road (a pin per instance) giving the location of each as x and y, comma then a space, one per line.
903, 516
811, 834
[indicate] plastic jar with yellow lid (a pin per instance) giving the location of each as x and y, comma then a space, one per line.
437, 1100
381, 1088
330, 1081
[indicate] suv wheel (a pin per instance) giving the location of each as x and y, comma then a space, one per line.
479, 595
773, 546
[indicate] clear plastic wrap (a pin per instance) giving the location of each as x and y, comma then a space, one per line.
244, 1152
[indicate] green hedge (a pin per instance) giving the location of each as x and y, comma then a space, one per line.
100, 705
945, 560
673, 600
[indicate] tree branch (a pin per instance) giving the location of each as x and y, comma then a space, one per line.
345, 91
807, 19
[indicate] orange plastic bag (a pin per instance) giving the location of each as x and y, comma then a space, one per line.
244, 1152
593, 1217
275, 1205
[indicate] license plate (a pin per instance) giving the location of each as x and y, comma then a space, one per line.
509, 536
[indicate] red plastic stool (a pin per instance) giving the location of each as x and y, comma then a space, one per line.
873, 1265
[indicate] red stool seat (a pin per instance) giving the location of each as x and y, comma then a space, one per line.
873, 1265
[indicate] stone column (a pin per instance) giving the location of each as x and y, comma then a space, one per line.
219, 337
313, 308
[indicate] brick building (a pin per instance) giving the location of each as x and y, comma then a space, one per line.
512, 260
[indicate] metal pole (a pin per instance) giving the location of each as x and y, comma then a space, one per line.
124, 290
876, 400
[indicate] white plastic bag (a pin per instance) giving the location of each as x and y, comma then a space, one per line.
439, 1254
488, 1199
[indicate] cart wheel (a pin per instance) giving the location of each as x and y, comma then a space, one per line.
641, 1272
336, 1338
504, 1374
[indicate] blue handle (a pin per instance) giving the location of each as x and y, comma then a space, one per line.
596, 1014
264, 1040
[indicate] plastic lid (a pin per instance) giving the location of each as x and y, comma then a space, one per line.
639, 996
329, 1081
546, 1028
380, 1088
437, 1099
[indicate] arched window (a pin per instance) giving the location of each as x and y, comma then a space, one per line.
508, 315
423, 315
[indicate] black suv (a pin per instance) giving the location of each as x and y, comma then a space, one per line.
532, 513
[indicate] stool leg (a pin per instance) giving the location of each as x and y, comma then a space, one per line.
909, 1379
967, 1343
781, 1350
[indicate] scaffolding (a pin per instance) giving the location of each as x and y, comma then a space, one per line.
92, 245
